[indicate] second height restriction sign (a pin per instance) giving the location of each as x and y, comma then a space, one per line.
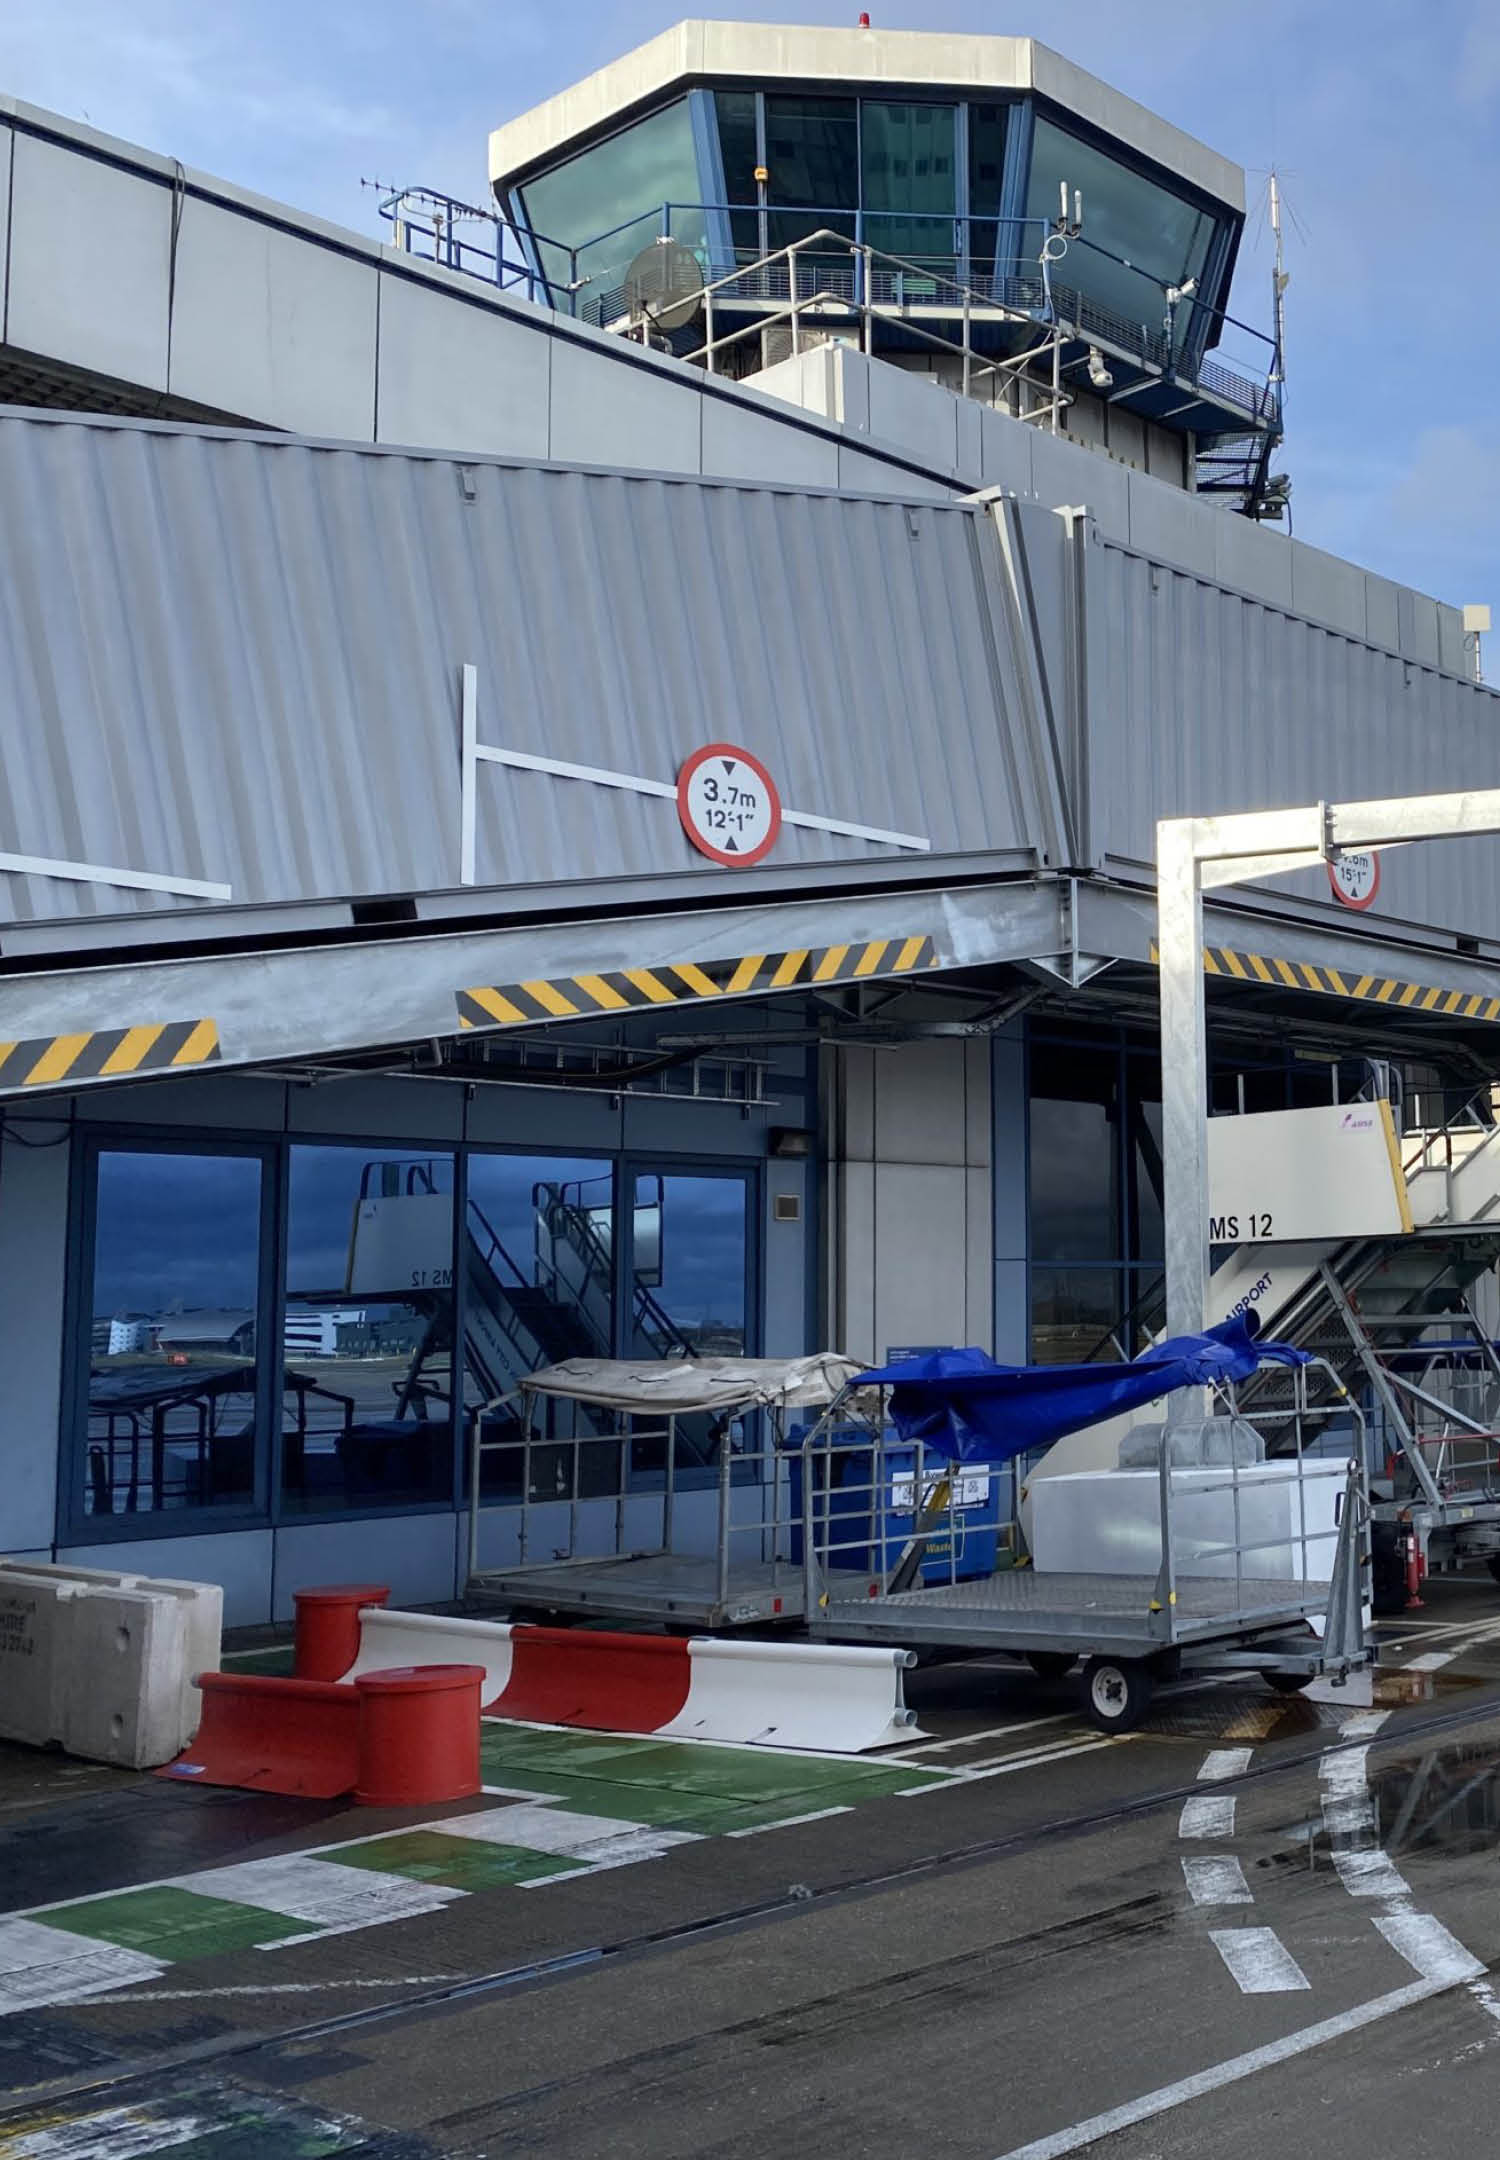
728, 804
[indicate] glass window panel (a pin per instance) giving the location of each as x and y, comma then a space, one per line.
737, 149
1075, 1209
174, 1338
987, 125
909, 187
624, 181
539, 1287
812, 155
1073, 1312
1143, 1080
1160, 238
691, 1254
367, 1376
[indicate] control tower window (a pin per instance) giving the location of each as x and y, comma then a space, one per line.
812, 153
987, 125
1138, 236
909, 185
735, 110
621, 182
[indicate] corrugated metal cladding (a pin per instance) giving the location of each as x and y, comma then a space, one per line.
237, 659
1202, 700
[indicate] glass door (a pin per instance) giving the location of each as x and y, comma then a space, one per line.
690, 1278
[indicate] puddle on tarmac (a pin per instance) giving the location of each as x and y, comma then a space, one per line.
1392, 1690
1445, 1801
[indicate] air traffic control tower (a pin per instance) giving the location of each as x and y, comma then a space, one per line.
976, 208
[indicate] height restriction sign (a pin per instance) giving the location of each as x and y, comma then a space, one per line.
728, 804
1354, 875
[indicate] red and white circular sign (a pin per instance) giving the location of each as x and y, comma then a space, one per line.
728, 804
1355, 877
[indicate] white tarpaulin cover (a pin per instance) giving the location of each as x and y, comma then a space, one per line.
683, 1384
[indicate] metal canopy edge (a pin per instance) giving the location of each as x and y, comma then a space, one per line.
325, 1000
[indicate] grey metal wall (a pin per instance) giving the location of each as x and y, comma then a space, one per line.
237, 658
1202, 698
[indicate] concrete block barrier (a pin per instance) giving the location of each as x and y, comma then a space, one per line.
33, 1634
833, 1697
839, 1698
101, 1661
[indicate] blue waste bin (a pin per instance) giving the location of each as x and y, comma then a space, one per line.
871, 1531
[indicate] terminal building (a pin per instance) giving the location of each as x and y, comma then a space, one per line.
583, 782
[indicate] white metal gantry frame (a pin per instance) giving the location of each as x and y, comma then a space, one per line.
1194, 855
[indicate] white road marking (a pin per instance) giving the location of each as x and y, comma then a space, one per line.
1483, 1992
561, 1830
1363, 1725
1207, 1815
40, 1965
1428, 1948
306, 1887
991, 1732
1344, 1772
1431, 1660
1230, 2072
111, 2134
294, 1987
789, 1822
1259, 1963
1371, 1874
1225, 1762
971, 1772
1216, 1880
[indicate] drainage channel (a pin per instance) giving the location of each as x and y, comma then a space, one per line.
120, 2079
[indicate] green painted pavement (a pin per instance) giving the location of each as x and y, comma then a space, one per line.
173, 1924
460, 1863
682, 1785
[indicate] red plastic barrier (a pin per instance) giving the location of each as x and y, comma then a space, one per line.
418, 1735
274, 1734
327, 1627
610, 1682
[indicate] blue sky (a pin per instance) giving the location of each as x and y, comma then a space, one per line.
1381, 114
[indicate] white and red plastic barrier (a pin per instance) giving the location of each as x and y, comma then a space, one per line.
833, 1697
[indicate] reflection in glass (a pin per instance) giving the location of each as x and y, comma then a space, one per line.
172, 1348
539, 1288
812, 154
1073, 1311
1075, 1213
737, 148
1156, 238
368, 1343
691, 1257
622, 182
906, 157
986, 171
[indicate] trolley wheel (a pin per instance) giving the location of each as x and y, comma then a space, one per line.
1287, 1683
1049, 1664
1493, 1564
1116, 1692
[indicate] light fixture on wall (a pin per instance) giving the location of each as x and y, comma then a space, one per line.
791, 1142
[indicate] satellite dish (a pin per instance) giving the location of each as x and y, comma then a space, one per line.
664, 285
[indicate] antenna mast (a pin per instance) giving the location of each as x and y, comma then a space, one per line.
1280, 279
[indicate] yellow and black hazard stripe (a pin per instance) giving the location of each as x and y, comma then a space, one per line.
569, 997
1391, 991
108, 1053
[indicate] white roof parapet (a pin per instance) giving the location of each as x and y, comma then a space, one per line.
913, 59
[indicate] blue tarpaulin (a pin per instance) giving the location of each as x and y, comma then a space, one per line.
961, 1404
